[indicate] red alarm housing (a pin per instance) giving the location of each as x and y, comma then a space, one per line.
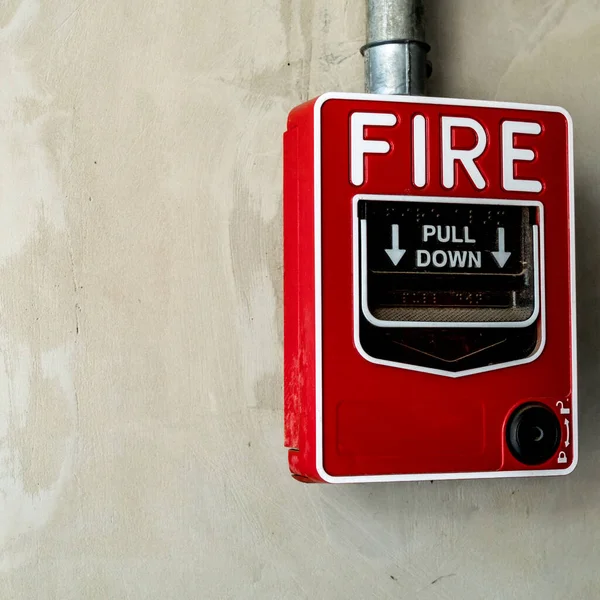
429, 289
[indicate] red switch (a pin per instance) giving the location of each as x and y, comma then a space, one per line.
429, 289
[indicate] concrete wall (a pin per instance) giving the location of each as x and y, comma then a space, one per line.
141, 310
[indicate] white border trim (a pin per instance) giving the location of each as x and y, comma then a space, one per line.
362, 250
318, 290
451, 374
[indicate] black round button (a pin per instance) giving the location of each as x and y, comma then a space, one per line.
533, 434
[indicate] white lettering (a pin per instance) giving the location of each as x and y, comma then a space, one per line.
458, 259
474, 260
446, 233
419, 151
467, 157
428, 231
423, 258
439, 258
443, 238
359, 146
510, 154
455, 239
452, 259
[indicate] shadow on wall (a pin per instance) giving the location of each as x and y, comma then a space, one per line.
437, 36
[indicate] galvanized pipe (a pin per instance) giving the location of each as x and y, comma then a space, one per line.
396, 50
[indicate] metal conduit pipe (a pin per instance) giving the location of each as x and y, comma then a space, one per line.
396, 50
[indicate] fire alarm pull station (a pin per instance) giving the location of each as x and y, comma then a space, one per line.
429, 287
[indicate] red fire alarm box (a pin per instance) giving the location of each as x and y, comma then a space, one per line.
429, 289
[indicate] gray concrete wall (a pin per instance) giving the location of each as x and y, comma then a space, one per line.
141, 310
